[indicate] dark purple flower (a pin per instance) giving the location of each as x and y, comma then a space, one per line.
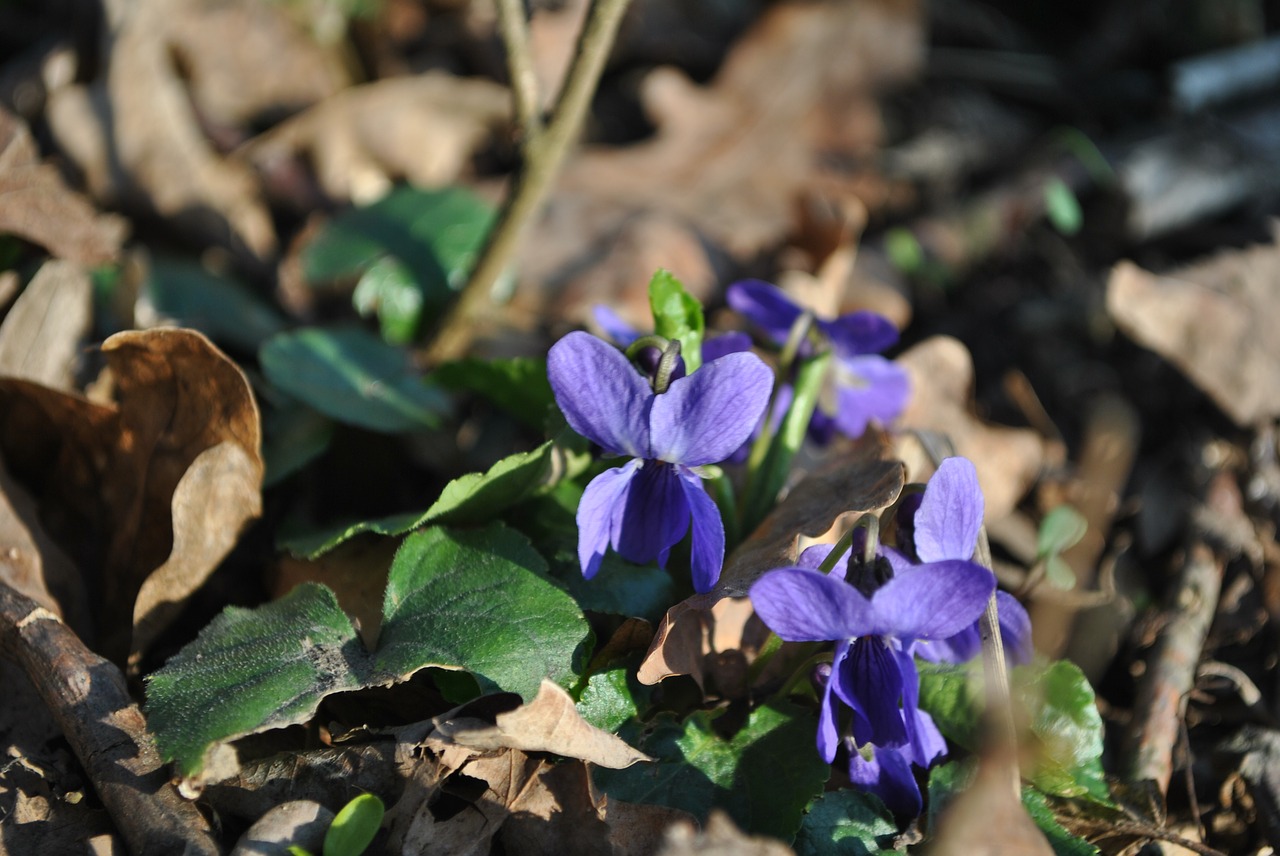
645, 507
862, 386
945, 527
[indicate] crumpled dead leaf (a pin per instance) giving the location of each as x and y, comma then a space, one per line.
862, 478
36, 205
180, 449
1008, 460
549, 723
135, 137
1215, 320
423, 129
40, 336
728, 160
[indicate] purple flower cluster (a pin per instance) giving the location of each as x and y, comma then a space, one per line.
863, 386
643, 508
883, 612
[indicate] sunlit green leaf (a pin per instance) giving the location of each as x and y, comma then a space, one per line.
607, 701
845, 823
1061, 529
354, 826
677, 314
519, 386
388, 291
1061, 207
1063, 842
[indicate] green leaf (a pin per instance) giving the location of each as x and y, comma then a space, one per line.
473, 600
434, 235
353, 377
354, 827
222, 308
519, 386
845, 823
1066, 722
477, 600
253, 669
1057, 701
763, 777
1061, 528
677, 314
1062, 841
389, 291
473, 498
946, 782
904, 250
1059, 573
1061, 207
607, 701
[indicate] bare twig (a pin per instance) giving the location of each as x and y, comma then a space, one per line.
1171, 670
88, 699
524, 82
542, 155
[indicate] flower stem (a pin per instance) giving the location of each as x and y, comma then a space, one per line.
543, 149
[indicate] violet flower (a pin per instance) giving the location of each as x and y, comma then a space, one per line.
874, 626
944, 526
863, 386
642, 509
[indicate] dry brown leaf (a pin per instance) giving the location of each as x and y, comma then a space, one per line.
32, 564
729, 159
1008, 460
245, 60
135, 136
1215, 320
301, 823
859, 479
40, 337
549, 723
636, 829
355, 571
37, 206
423, 129
118, 471
720, 838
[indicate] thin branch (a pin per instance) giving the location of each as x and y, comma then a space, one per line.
542, 157
524, 82
88, 699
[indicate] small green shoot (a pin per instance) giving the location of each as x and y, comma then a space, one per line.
354, 827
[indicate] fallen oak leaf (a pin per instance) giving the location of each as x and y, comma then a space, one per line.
40, 336
549, 723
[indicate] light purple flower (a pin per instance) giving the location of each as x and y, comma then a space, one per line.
862, 386
944, 527
642, 509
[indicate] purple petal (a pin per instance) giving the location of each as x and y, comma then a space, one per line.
1015, 629
860, 333
705, 417
868, 388
613, 326
766, 306
828, 735
950, 514
888, 775
707, 548
805, 606
655, 517
602, 396
600, 513
960, 648
726, 343
814, 556
872, 686
932, 601
923, 738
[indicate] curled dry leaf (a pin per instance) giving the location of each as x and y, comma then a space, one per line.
862, 478
1215, 321
549, 723
1008, 460
135, 137
132, 472
424, 129
37, 206
40, 336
